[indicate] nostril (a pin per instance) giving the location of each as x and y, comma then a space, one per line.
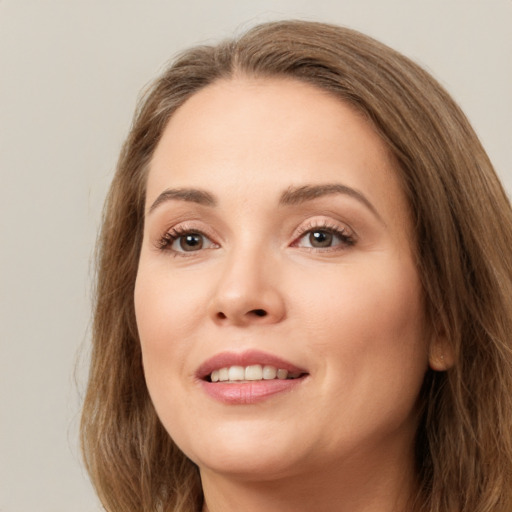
251, 313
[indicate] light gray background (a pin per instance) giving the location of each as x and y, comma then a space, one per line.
70, 72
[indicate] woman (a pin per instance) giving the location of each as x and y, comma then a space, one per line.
304, 290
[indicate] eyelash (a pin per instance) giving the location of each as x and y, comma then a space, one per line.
347, 240
175, 233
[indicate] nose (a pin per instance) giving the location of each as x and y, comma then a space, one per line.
247, 292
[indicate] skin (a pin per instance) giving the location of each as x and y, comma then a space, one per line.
351, 313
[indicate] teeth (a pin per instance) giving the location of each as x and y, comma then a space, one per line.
236, 373
282, 374
269, 372
252, 372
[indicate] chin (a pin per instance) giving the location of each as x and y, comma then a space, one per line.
247, 453
260, 467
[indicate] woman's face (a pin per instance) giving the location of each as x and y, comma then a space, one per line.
277, 238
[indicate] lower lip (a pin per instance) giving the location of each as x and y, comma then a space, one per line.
244, 393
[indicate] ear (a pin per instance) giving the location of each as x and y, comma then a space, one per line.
441, 356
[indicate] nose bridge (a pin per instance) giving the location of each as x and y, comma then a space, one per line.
247, 289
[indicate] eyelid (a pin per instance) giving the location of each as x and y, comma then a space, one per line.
175, 243
345, 235
175, 231
325, 224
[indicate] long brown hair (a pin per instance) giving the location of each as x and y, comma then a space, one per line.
463, 225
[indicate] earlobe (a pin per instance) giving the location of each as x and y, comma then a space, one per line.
441, 354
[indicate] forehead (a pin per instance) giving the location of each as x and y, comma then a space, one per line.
268, 114
268, 134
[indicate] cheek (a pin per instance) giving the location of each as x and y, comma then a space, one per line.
373, 347
166, 308
164, 320
371, 326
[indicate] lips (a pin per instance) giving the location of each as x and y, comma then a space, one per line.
245, 359
248, 377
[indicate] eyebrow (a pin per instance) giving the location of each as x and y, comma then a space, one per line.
291, 196
191, 195
298, 195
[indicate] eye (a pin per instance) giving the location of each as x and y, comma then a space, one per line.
320, 239
324, 238
190, 242
181, 241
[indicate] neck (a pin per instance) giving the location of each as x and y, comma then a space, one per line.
354, 488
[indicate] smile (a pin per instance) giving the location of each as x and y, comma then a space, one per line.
248, 377
253, 372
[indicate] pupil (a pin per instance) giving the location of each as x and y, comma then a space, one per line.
320, 239
191, 242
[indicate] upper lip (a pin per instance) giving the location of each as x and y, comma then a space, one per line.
247, 358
